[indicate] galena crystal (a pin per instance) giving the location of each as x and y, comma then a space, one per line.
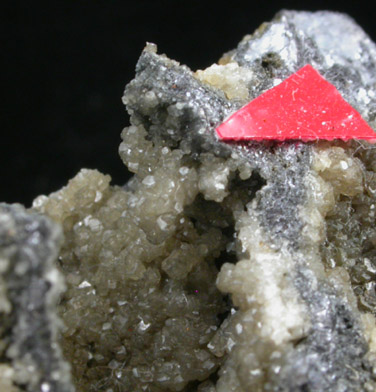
219, 267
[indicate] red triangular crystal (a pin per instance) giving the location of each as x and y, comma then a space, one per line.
305, 106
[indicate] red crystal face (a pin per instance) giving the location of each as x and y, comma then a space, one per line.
305, 107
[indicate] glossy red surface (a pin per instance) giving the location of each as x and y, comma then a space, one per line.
305, 106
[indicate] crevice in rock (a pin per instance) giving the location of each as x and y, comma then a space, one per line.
350, 240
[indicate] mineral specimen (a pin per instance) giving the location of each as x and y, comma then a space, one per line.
220, 266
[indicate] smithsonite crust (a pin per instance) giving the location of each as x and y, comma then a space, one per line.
219, 267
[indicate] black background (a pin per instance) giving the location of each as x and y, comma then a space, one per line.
64, 66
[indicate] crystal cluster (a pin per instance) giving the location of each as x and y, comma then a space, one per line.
220, 266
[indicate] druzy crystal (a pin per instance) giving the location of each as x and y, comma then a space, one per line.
220, 266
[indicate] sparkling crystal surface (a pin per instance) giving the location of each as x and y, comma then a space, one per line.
30, 288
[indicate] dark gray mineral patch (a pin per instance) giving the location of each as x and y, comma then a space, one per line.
29, 245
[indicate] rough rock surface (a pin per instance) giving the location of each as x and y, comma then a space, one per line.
30, 288
227, 267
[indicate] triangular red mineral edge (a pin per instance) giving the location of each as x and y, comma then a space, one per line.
305, 106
